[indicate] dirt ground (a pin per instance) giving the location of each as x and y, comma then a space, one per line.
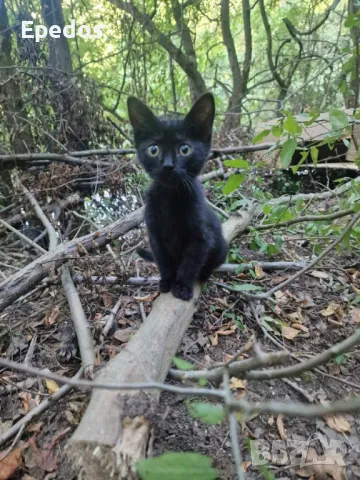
224, 322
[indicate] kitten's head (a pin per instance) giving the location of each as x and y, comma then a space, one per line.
170, 149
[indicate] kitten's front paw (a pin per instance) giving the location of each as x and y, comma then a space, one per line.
164, 286
182, 291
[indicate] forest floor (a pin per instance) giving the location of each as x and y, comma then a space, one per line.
224, 322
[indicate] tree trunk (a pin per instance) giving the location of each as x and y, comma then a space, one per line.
239, 78
59, 51
186, 63
15, 117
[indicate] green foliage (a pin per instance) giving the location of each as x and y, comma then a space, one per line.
292, 126
338, 119
177, 466
238, 163
233, 182
287, 151
209, 413
260, 136
182, 364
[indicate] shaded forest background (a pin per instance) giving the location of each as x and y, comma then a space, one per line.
258, 58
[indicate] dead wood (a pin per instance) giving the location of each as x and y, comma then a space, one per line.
27, 278
117, 429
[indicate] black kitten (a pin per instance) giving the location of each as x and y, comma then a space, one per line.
184, 233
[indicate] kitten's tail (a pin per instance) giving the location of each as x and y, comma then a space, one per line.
145, 254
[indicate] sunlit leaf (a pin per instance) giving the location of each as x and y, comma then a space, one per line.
233, 182
338, 119
177, 466
238, 163
260, 136
287, 151
207, 412
314, 152
292, 126
182, 364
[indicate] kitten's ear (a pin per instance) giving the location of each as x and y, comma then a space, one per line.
141, 117
201, 117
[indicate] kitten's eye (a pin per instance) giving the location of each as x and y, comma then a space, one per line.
153, 150
185, 149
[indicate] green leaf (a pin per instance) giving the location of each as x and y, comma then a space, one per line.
182, 364
338, 119
233, 182
352, 20
260, 136
177, 466
238, 163
202, 382
339, 359
207, 412
287, 152
277, 130
314, 152
245, 287
267, 209
304, 155
291, 125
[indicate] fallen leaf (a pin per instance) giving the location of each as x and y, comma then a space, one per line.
330, 309
277, 279
214, 340
221, 302
225, 332
123, 334
295, 317
355, 314
334, 369
107, 299
305, 300
51, 319
236, 383
289, 333
70, 417
25, 400
245, 465
321, 467
232, 328
148, 298
51, 386
271, 420
98, 316
59, 436
337, 423
319, 274
259, 272
355, 289
334, 323
280, 427
9, 463
35, 427
297, 326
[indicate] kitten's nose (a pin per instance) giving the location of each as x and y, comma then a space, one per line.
168, 163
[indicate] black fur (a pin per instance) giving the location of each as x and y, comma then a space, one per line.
184, 233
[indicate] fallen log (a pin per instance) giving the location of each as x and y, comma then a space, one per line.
117, 429
28, 277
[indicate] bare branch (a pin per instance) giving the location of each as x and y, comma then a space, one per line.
81, 325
